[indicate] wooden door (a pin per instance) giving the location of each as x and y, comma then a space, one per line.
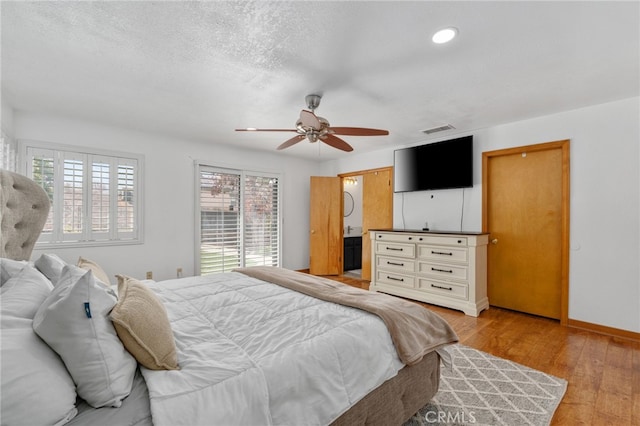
377, 210
526, 211
325, 237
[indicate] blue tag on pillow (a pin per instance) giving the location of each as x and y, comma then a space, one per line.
87, 309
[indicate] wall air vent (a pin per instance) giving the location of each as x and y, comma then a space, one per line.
438, 129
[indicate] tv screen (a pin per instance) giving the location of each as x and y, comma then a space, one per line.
440, 165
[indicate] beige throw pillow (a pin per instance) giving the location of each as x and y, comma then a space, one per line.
142, 324
97, 270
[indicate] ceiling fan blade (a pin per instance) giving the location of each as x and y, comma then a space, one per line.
251, 129
357, 131
309, 119
294, 140
336, 142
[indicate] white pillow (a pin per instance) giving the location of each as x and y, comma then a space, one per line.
36, 386
51, 266
23, 294
9, 268
74, 321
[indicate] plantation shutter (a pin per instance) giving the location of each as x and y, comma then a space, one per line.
238, 219
41, 168
101, 197
126, 198
94, 198
74, 203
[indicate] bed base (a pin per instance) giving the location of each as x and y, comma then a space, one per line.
397, 399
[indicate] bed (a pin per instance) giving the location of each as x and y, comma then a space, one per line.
255, 346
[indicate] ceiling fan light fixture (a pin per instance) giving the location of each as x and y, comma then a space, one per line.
314, 128
445, 35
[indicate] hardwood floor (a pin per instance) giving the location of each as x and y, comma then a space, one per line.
603, 372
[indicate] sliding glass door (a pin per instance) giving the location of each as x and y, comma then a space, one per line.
238, 219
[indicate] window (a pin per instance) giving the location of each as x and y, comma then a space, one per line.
239, 219
95, 195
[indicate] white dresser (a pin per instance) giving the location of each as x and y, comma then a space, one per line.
446, 269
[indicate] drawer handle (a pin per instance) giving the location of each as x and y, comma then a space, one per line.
444, 253
448, 271
441, 287
394, 263
395, 248
395, 279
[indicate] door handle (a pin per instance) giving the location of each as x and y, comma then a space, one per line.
494, 241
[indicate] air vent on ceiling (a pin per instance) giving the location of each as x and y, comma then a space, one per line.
438, 129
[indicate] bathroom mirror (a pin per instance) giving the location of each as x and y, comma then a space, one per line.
348, 204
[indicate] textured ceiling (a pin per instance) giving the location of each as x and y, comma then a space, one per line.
199, 70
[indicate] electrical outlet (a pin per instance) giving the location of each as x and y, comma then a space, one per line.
179, 272
149, 275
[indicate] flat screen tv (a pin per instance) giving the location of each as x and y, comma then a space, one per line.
440, 165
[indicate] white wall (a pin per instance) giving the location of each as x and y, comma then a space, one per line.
169, 193
604, 280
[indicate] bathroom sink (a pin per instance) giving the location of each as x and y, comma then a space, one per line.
352, 231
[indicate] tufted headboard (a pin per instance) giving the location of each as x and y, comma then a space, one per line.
24, 207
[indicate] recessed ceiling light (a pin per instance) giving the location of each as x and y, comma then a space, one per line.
445, 35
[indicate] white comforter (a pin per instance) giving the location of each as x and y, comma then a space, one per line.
254, 353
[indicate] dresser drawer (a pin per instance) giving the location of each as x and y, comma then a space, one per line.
395, 264
396, 279
459, 291
396, 249
400, 237
443, 270
443, 254
445, 240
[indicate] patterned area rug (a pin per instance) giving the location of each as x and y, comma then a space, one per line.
481, 389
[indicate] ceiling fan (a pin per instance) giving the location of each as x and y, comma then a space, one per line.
315, 128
